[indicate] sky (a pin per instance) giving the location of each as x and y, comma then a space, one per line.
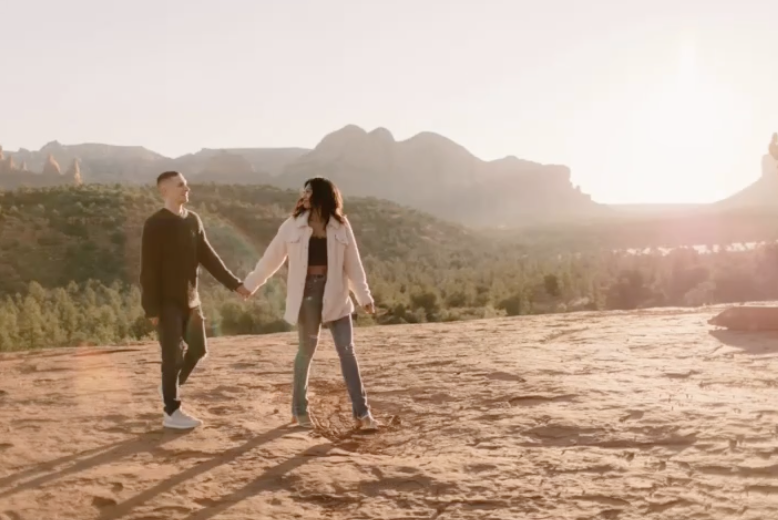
661, 101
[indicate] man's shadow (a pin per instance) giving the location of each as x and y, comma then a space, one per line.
86, 460
125, 508
755, 343
268, 480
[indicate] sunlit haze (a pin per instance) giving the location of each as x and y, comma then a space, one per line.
662, 101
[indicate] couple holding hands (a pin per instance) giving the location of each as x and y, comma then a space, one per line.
324, 265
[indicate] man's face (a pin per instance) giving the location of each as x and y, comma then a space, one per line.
175, 189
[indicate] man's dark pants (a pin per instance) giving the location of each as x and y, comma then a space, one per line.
179, 327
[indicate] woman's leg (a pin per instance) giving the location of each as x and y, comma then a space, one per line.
343, 337
308, 326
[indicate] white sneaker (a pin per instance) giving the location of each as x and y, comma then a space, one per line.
180, 421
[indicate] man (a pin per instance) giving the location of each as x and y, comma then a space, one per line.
173, 247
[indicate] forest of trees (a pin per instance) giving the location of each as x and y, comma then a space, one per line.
69, 260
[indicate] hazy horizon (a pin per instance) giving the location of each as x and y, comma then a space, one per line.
662, 103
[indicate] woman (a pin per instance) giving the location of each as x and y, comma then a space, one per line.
323, 262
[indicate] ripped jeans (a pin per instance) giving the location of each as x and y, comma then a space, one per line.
308, 327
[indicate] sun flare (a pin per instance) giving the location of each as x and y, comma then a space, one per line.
684, 130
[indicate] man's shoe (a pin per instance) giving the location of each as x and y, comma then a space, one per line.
180, 420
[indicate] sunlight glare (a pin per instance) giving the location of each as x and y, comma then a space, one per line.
684, 130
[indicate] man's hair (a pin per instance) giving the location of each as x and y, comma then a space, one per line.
166, 175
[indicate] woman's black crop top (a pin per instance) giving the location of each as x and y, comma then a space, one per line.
317, 251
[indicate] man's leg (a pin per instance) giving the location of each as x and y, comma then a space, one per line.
308, 326
170, 330
197, 344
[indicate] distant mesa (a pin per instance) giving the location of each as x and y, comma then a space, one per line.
426, 171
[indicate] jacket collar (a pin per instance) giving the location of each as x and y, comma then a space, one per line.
302, 221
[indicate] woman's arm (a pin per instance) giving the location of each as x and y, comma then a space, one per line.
271, 261
355, 272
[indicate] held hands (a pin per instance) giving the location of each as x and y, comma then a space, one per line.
369, 308
245, 293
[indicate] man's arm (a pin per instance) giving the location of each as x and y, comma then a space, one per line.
211, 261
150, 270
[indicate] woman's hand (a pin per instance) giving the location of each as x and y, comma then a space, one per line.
369, 308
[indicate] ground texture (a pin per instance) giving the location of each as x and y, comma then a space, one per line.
641, 415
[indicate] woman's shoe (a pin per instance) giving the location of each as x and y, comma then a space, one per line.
367, 423
303, 421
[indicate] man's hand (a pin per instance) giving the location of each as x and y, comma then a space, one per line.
369, 308
154, 320
243, 291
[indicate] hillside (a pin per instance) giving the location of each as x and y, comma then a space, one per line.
69, 261
63, 234
428, 172
646, 415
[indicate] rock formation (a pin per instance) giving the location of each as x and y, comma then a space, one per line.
7, 163
51, 167
74, 172
14, 175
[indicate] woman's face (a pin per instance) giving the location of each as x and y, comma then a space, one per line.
306, 196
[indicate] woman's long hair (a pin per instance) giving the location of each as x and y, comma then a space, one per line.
325, 197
